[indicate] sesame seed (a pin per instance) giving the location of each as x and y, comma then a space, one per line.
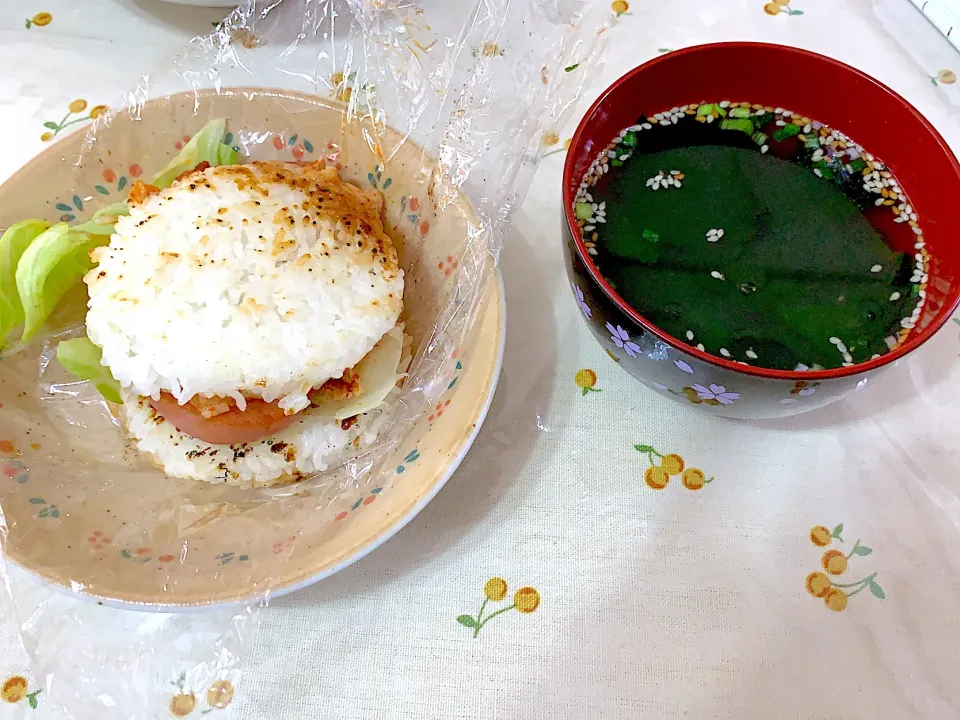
700, 347
894, 296
834, 340
690, 335
751, 354
717, 274
876, 268
724, 352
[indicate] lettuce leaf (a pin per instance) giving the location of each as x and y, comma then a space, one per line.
13, 243
81, 358
204, 146
53, 263
104, 219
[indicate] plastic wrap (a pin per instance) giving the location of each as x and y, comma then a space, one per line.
446, 109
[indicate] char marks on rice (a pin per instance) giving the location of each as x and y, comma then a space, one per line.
262, 280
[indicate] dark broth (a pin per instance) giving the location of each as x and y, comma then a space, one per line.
756, 235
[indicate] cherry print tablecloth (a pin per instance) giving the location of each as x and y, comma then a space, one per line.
809, 571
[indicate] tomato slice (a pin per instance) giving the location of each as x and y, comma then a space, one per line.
258, 421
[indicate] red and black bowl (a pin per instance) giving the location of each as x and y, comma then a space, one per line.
834, 94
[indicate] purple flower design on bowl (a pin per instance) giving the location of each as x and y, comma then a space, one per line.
683, 365
716, 392
622, 340
578, 294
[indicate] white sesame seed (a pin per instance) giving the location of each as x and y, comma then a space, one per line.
841, 347
923, 294
917, 231
876, 268
834, 340
763, 149
724, 352
724, 104
588, 228
816, 171
848, 357
907, 323
719, 233
717, 274
919, 245
700, 347
875, 356
846, 364
689, 334
879, 201
751, 354
890, 341
894, 296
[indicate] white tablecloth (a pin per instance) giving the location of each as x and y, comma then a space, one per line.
642, 603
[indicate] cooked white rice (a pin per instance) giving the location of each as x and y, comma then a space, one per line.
262, 280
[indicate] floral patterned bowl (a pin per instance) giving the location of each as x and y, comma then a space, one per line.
780, 77
81, 511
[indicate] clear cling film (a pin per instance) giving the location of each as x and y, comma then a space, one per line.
439, 109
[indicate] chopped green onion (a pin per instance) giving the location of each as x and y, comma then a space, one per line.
737, 124
787, 131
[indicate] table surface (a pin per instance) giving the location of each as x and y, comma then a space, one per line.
635, 602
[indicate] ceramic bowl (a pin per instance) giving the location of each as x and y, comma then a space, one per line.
83, 514
836, 95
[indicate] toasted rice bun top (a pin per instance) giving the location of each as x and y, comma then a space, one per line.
261, 280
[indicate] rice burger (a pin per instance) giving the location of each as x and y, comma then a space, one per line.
250, 316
